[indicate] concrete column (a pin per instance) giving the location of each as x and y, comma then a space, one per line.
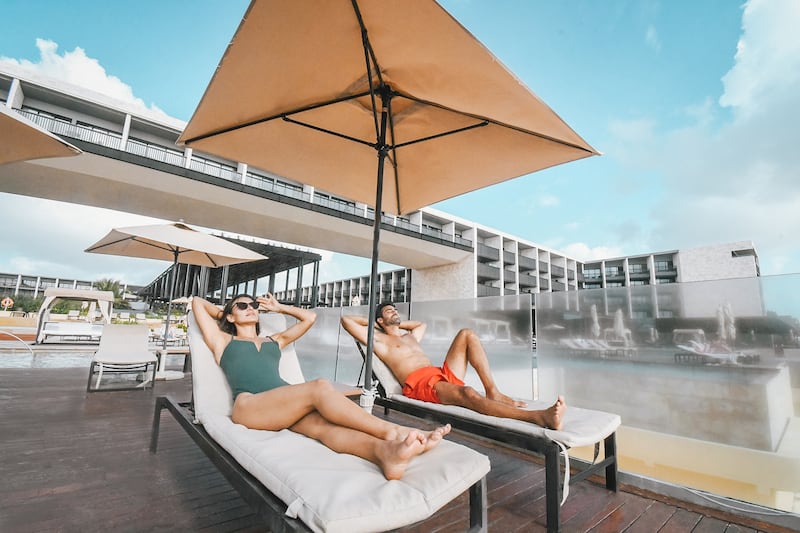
223, 285
15, 95
19, 282
241, 169
187, 158
126, 130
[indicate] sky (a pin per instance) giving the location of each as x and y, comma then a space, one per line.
694, 106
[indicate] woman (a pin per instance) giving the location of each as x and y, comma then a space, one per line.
262, 400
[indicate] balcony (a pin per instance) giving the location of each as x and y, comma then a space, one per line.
544, 284
509, 276
487, 253
526, 280
485, 290
527, 263
487, 272
508, 258
557, 271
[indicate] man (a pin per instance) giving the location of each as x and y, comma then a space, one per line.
396, 343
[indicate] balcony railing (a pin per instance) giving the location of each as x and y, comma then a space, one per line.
485, 271
488, 252
100, 136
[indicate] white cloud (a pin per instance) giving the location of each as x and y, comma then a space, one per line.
49, 239
79, 70
583, 252
548, 200
767, 55
736, 181
651, 38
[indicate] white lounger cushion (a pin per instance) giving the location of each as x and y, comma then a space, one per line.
582, 427
338, 492
326, 490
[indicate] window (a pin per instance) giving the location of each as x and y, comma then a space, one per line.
592, 273
663, 265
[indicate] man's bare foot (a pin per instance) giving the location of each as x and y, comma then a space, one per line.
553, 416
507, 400
393, 456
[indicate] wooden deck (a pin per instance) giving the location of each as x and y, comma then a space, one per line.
71, 461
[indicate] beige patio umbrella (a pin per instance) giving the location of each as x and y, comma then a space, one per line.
21, 139
174, 242
327, 93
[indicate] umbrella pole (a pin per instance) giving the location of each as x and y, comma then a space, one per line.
368, 392
163, 362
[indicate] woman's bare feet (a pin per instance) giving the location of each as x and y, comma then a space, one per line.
394, 455
435, 437
401, 432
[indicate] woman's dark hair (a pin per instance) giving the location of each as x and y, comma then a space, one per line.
228, 327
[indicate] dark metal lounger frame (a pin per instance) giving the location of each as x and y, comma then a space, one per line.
263, 502
544, 447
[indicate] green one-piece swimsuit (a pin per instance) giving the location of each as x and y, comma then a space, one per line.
249, 369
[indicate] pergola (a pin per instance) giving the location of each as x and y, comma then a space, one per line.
214, 283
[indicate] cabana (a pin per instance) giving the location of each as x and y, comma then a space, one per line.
74, 329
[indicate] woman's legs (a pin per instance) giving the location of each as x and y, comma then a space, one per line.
391, 456
283, 407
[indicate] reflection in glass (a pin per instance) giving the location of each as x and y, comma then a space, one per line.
708, 370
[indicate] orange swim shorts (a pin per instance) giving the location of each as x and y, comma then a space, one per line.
419, 384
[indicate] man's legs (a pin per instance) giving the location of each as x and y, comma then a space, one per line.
466, 349
465, 396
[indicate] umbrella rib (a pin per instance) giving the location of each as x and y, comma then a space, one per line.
496, 123
331, 132
369, 59
443, 134
284, 115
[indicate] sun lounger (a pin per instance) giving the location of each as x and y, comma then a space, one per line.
582, 427
298, 484
123, 350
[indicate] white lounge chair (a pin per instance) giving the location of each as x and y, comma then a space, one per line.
123, 350
296, 483
581, 427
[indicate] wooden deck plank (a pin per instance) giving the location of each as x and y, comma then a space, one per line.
72, 461
652, 518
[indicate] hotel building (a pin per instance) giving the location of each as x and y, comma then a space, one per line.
131, 163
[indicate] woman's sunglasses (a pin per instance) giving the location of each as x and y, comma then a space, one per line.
241, 306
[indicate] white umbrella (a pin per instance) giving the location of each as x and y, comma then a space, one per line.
326, 93
174, 242
21, 139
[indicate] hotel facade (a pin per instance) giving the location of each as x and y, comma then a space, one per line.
131, 163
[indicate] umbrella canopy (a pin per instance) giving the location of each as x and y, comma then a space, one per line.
314, 91
173, 242
21, 139
294, 95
